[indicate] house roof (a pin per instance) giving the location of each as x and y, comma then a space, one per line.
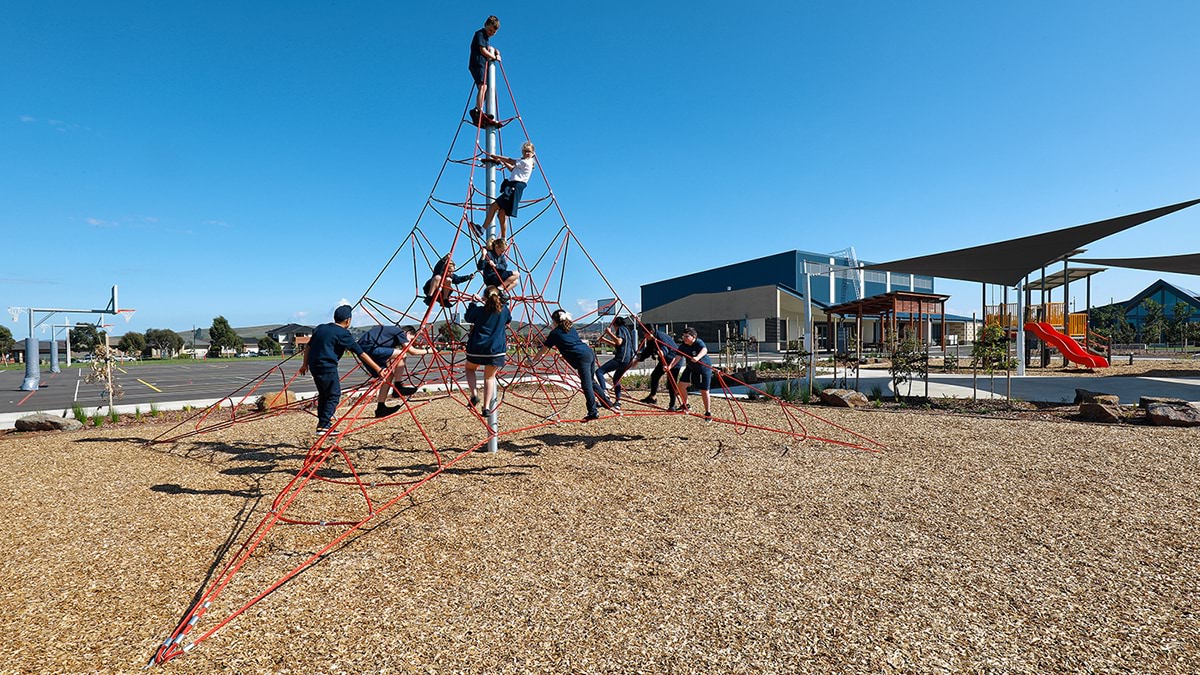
291, 328
1007, 262
1188, 296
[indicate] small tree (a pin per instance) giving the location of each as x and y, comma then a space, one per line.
268, 346
990, 352
907, 363
1110, 322
451, 332
6, 343
85, 338
1181, 316
132, 343
221, 336
167, 342
105, 359
1153, 322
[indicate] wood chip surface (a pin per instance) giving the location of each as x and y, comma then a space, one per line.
633, 544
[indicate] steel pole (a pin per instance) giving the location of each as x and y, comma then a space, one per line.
1021, 328
491, 139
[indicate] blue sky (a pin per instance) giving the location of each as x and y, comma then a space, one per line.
263, 160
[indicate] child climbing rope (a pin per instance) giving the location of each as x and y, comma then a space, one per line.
511, 189
437, 289
327, 344
385, 344
487, 345
482, 52
494, 265
579, 356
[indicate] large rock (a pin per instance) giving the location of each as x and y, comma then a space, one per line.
46, 422
1145, 401
1173, 415
843, 398
1101, 412
277, 399
1085, 396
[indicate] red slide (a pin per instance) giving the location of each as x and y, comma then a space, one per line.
1069, 348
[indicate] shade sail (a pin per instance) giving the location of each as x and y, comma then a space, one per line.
1007, 262
1188, 263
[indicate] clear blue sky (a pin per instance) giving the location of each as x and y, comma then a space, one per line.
263, 160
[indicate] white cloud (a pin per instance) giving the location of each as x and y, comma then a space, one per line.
99, 223
27, 119
300, 314
586, 305
218, 223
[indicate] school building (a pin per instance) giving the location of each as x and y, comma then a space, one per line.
763, 299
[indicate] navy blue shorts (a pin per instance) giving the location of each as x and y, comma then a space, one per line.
479, 74
381, 355
700, 377
510, 197
497, 361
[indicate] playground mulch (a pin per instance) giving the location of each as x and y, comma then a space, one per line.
638, 544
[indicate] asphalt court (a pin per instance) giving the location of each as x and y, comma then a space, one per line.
149, 382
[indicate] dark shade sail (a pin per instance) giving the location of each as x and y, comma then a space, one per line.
1188, 263
1007, 262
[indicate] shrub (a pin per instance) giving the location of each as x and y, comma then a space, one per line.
78, 413
876, 393
113, 416
154, 409
98, 420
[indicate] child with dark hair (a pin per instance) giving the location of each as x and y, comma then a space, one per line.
437, 289
579, 356
482, 52
494, 265
698, 372
487, 345
386, 345
619, 334
656, 344
327, 344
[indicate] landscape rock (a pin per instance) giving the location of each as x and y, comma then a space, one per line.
1145, 401
1085, 396
1101, 412
1173, 415
277, 399
843, 398
46, 422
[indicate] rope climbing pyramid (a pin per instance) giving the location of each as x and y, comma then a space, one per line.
375, 456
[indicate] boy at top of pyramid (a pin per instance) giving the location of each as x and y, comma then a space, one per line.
482, 52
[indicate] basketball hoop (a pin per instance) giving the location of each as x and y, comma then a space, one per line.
126, 314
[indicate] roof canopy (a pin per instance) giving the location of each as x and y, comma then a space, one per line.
1188, 263
891, 303
1053, 281
1007, 262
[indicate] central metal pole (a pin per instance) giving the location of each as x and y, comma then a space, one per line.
492, 137
1021, 328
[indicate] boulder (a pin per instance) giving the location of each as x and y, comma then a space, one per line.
1101, 412
1145, 401
843, 398
46, 422
1173, 415
1085, 396
278, 399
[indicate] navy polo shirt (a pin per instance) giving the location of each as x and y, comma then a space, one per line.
478, 61
386, 337
326, 346
570, 346
487, 336
650, 351
625, 351
692, 350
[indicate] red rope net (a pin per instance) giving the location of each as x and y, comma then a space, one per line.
533, 394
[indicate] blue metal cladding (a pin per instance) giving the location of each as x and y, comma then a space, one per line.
786, 269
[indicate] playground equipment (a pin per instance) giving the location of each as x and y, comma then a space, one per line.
1068, 347
347, 463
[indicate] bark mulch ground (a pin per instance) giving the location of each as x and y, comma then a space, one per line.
635, 544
